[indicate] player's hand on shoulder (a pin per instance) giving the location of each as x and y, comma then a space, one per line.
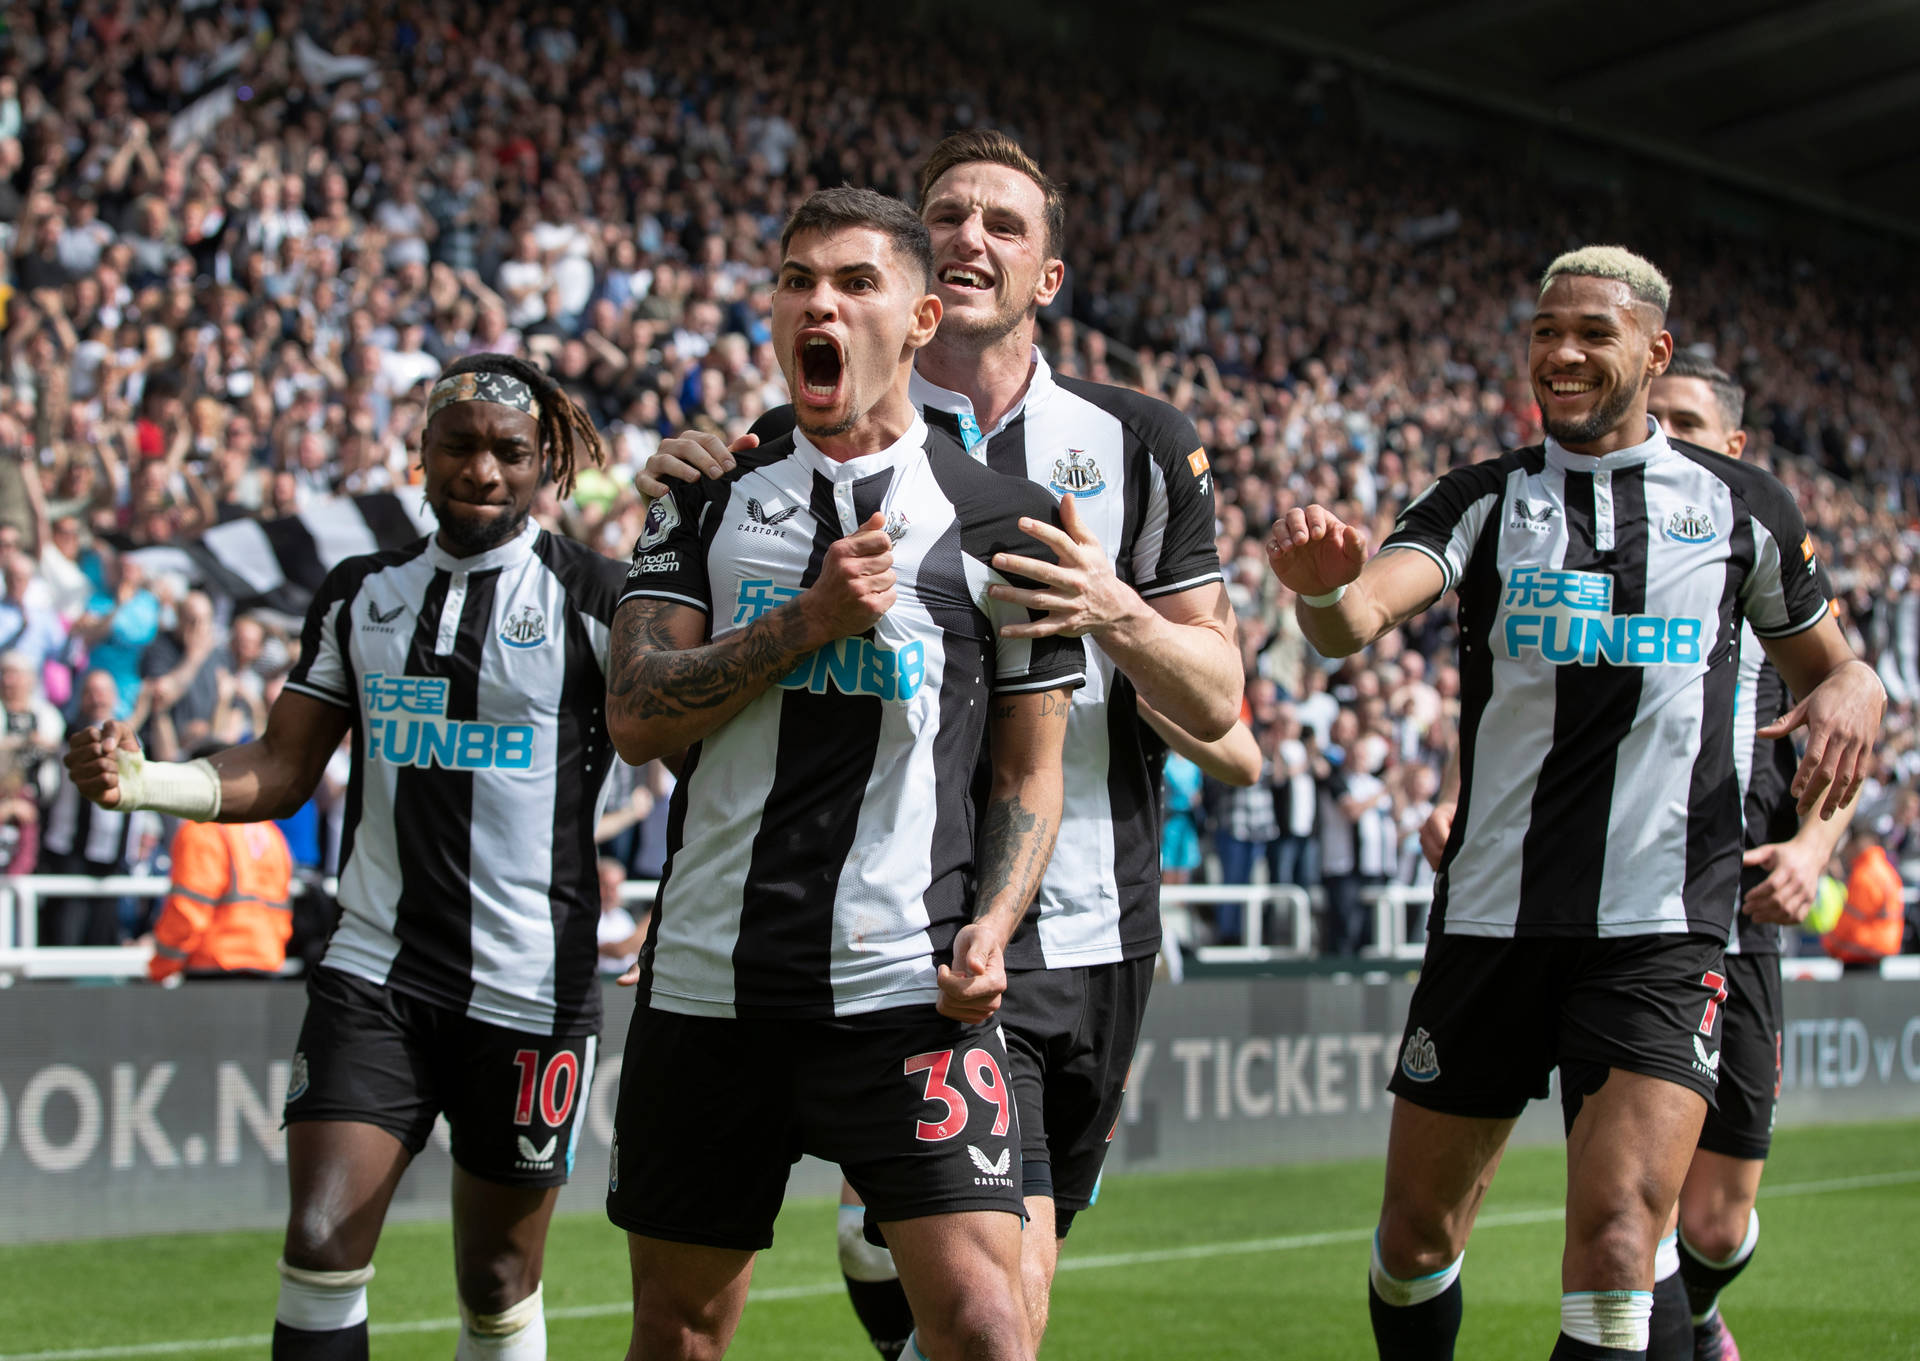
856, 583
1313, 551
688, 457
970, 990
92, 761
1434, 833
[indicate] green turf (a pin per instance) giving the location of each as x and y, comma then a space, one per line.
1834, 1277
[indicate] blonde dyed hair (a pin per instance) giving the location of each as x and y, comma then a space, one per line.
1643, 280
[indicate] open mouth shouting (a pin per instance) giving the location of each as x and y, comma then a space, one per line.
822, 369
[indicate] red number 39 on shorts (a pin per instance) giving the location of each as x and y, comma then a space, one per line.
982, 1074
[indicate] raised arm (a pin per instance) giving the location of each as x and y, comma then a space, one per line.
667, 687
253, 782
1323, 559
1027, 732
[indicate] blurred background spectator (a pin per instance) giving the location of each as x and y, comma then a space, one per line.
241, 240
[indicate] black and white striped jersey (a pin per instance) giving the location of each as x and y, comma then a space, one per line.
476, 685
1142, 484
1600, 606
1764, 767
821, 842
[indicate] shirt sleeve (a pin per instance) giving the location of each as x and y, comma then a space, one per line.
1174, 550
1023, 664
668, 560
1444, 521
1786, 592
323, 671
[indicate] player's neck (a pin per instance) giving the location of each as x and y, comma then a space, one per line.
993, 378
880, 427
1630, 432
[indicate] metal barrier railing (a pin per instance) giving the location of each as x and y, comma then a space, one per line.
1399, 916
22, 955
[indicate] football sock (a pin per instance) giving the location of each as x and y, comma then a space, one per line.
1705, 1280
1603, 1325
1670, 1331
322, 1315
1414, 1320
517, 1333
873, 1286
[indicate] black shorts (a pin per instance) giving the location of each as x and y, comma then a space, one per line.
370, 1054
1491, 1017
914, 1107
1071, 1035
1742, 1124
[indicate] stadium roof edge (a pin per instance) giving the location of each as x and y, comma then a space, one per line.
1388, 58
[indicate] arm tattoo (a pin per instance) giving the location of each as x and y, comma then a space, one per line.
1015, 845
650, 676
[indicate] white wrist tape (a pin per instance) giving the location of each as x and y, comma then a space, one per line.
188, 789
1320, 602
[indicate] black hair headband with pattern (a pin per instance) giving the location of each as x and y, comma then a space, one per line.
502, 389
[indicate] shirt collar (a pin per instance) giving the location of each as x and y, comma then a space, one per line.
513, 551
852, 469
926, 393
1653, 446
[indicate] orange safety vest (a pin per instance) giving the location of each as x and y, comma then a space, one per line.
228, 908
1874, 919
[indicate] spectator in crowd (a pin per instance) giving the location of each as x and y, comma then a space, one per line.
1293, 857
1182, 783
229, 910
80, 838
620, 935
1873, 922
19, 819
33, 732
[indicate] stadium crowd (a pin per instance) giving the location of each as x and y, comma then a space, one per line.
241, 240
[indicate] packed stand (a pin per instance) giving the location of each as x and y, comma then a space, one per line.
241, 241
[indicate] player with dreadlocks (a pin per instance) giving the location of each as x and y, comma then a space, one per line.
468, 668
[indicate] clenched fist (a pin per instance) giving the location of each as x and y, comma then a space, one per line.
92, 763
856, 583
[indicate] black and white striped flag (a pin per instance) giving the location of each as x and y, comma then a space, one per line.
279, 564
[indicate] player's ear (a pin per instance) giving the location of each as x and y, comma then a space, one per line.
926, 320
1659, 354
1053, 276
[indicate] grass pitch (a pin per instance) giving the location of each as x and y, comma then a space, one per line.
1260, 1263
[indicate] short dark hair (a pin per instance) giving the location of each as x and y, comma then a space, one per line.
996, 148
834, 210
1727, 392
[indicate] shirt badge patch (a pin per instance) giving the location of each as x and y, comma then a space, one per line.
897, 525
663, 517
1197, 460
1078, 474
525, 627
1690, 524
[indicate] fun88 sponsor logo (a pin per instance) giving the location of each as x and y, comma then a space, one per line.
1567, 619
407, 726
853, 666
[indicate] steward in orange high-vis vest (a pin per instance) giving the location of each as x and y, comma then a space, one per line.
1874, 918
228, 910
